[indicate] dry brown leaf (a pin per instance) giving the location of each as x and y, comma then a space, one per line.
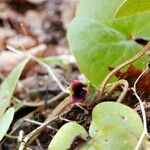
143, 84
24, 42
9, 60
130, 75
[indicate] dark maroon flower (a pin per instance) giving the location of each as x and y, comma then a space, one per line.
79, 91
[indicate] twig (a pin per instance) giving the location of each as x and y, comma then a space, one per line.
57, 111
39, 123
115, 85
142, 110
11, 137
49, 69
98, 94
38, 104
64, 119
39, 144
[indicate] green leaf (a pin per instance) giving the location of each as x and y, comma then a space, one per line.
8, 86
3, 106
112, 137
54, 60
99, 41
112, 113
6, 91
131, 7
65, 136
18, 106
5, 121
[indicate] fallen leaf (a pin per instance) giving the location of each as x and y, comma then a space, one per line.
9, 60
143, 84
130, 75
24, 42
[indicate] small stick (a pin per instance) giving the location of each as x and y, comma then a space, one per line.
55, 114
39, 123
39, 144
38, 104
115, 85
12, 137
142, 110
49, 69
99, 93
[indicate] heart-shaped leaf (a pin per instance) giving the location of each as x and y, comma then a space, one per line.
112, 113
99, 41
112, 137
65, 136
131, 7
5, 121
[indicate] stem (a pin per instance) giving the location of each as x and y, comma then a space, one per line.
49, 69
117, 84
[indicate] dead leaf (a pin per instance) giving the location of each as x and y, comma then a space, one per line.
143, 84
130, 75
9, 60
20, 41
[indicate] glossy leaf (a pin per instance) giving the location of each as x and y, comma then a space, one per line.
65, 136
5, 121
112, 113
131, 7
112, 137
99, 41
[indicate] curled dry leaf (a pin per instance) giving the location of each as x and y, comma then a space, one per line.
143, 84
130, 75
24, 42
9, 60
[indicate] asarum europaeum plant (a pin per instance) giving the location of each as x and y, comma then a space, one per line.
102, 35
99, 39
114, 126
